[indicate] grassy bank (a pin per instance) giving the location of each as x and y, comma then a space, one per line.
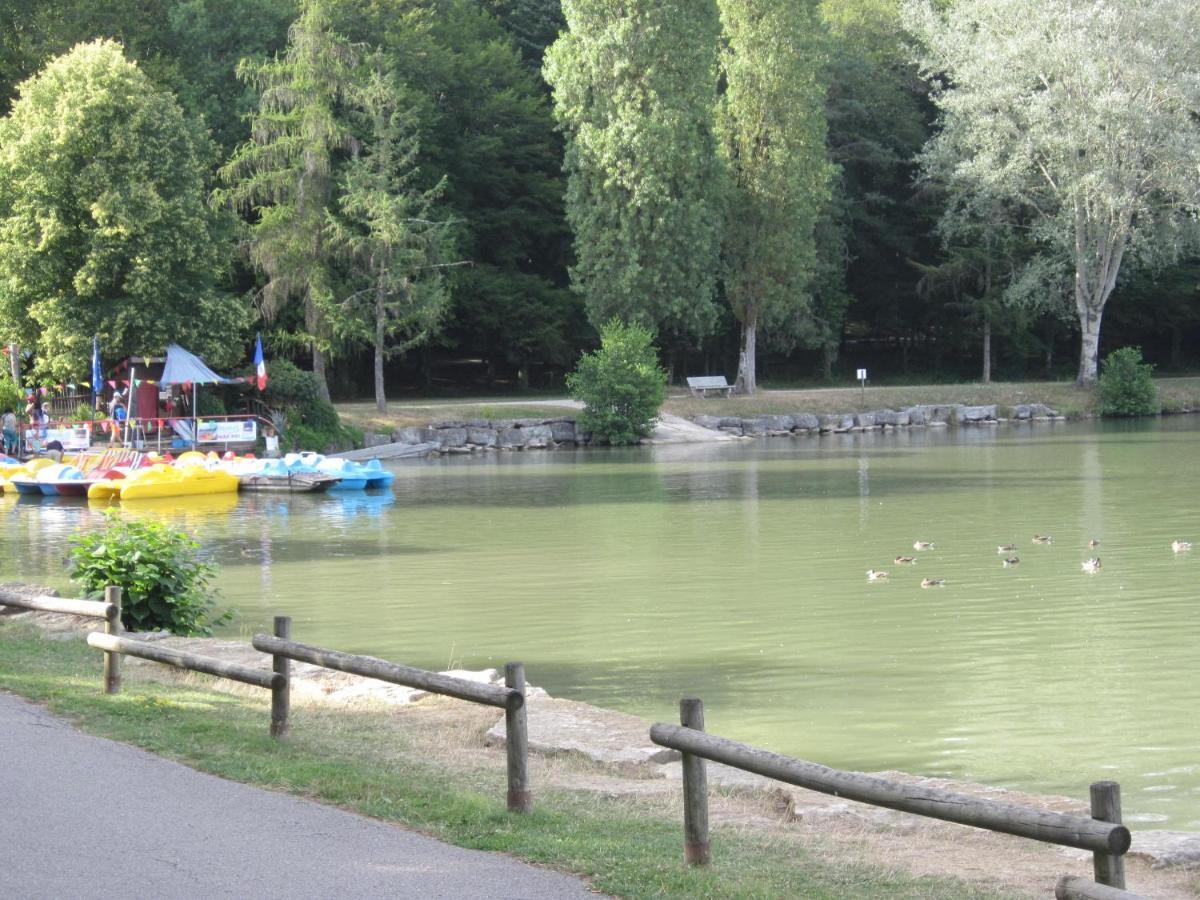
402, 767
1175, 394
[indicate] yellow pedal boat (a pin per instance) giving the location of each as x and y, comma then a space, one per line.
160, 481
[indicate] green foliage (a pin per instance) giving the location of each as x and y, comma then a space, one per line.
208, 403
284, 177
11, 395
621, 384
1126, 385
103, 223
309, 421
164, 581
771, 122
635, 85
84, 413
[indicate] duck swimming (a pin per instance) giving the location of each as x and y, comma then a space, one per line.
1011, 561
1043, 539
1091, 566
1006, 548
1181, 546
1093, 543
876, 575
932, 582
923, 545
905, 560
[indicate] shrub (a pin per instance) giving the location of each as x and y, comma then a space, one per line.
621, 384
308, 422
11, 395
165, 584
1126, 385
85, 413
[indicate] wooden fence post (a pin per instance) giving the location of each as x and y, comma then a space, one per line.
695, 790
1106, 806
112, 625
281, 693
516, 742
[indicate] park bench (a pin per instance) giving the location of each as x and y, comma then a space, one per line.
702, 384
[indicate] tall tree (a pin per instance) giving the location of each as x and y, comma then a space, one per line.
103, 223
1082, 111
385, 225
634, 91
284, 176
771, 122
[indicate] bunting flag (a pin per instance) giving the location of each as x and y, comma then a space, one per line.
44, 390
85, 384
260, 365
137, 382
112, 384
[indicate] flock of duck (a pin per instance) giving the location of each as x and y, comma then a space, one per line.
1091, 566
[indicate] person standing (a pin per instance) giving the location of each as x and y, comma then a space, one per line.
8, 425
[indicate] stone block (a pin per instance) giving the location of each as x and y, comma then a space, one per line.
512, 438
865, 420
484, 437
805, 420
410, 434
755, 426
713, 422
976, 413
375, 439
563, 432
538, 437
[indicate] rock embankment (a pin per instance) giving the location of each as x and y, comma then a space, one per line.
932, 415
487, 435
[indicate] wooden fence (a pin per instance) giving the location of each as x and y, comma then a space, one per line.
1103, 834
510, 698
108, 609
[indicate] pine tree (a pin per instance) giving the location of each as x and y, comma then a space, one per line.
284, 176
386, 224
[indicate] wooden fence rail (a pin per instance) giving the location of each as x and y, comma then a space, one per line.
510, 698
181, 659
108, 609
1108, 840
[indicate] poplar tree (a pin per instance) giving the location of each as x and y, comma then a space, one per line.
386, 225
283, 178
634, 86
771, 123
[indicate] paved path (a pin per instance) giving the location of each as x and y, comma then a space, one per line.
86, 817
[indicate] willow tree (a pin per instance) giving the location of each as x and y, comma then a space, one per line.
386, 224
103, 223
283, 178
1084, 112
771, 122
634, 85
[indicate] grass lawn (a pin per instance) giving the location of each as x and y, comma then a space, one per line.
384, 765
1175, 394
364, 415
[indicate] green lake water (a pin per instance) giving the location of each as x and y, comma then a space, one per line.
736, 572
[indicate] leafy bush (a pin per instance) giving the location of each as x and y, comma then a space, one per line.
165, 583
11, 395
309, 423
1126, 385
208, 403
85, 413
621, 384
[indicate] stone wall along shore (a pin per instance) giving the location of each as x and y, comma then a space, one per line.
485, 435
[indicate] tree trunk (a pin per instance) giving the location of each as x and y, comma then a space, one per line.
312, 321
746, 381
14, 363
1089, 347
380, 322
828, 355
987, 351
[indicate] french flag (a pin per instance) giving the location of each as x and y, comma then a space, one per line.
260, 366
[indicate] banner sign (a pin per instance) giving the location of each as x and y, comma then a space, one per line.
75, 437
226, 432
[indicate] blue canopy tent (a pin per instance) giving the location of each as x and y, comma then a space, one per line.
183, 367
